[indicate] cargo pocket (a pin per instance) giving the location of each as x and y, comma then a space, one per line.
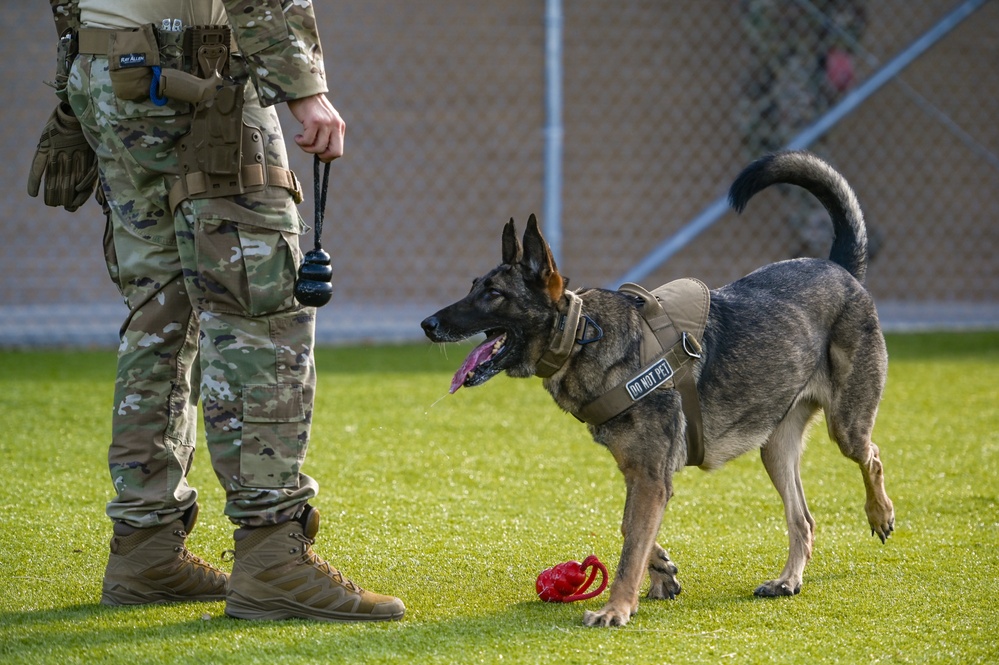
274, 435
111, 254
247, 261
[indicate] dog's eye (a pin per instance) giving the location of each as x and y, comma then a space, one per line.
491, 294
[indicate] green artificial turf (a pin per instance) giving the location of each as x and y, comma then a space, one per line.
455, 503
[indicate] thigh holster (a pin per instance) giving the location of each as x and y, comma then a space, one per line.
222, 155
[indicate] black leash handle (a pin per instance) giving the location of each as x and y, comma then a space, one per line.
320, 196
314, 286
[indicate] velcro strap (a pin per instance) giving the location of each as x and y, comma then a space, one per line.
94, 41
254, 177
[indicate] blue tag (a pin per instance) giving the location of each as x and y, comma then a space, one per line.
657, 374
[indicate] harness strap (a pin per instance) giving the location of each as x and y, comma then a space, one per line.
669, 343
690, 402
664, 371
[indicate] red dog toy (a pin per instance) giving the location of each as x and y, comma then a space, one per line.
567, 582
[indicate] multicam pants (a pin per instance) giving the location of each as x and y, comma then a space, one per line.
211, 312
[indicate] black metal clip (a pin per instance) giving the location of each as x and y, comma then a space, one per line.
590, 323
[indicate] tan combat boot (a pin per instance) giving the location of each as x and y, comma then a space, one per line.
276, 575
153, 566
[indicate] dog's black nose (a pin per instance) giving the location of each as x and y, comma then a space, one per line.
430, 324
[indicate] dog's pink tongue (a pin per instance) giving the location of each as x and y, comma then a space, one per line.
478, 355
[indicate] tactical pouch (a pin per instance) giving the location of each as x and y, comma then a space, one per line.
131, 54
69, 47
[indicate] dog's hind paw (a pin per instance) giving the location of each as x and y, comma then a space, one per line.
662, 575
776, 589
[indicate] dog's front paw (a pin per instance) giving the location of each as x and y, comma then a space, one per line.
881, 515
662, 575
608, 615
777, 588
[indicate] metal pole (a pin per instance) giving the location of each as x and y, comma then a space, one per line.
552, 220
715, 210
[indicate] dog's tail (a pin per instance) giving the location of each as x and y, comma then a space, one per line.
849, 248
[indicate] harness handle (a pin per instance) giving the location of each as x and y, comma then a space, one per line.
320, 196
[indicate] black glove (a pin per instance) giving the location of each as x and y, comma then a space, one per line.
65, 160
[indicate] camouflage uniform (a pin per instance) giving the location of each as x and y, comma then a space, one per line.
209, 288
787, 87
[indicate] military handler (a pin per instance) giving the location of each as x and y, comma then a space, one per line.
168, 106
800, 64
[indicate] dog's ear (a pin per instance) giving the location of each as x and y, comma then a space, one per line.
512, 250
538, 257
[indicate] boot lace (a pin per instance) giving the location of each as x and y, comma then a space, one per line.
311, 558
187, 555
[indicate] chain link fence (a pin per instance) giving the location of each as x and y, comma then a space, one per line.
663, 103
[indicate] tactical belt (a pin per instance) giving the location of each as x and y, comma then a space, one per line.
220, 156
96, 41
670, 341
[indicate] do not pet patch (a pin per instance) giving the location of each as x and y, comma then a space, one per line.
657, 374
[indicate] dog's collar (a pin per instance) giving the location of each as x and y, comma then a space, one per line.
569, 328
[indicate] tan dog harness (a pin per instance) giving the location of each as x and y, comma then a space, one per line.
673, 320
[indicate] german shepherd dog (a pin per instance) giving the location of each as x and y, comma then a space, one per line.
779, 344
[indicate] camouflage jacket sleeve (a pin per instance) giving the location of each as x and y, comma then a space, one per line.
280, 41
66, 14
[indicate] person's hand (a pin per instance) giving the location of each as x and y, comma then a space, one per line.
322, 127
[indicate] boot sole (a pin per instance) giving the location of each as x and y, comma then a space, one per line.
281, 610
120, 596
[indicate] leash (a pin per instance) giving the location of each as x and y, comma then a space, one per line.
567, 582
314, 286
